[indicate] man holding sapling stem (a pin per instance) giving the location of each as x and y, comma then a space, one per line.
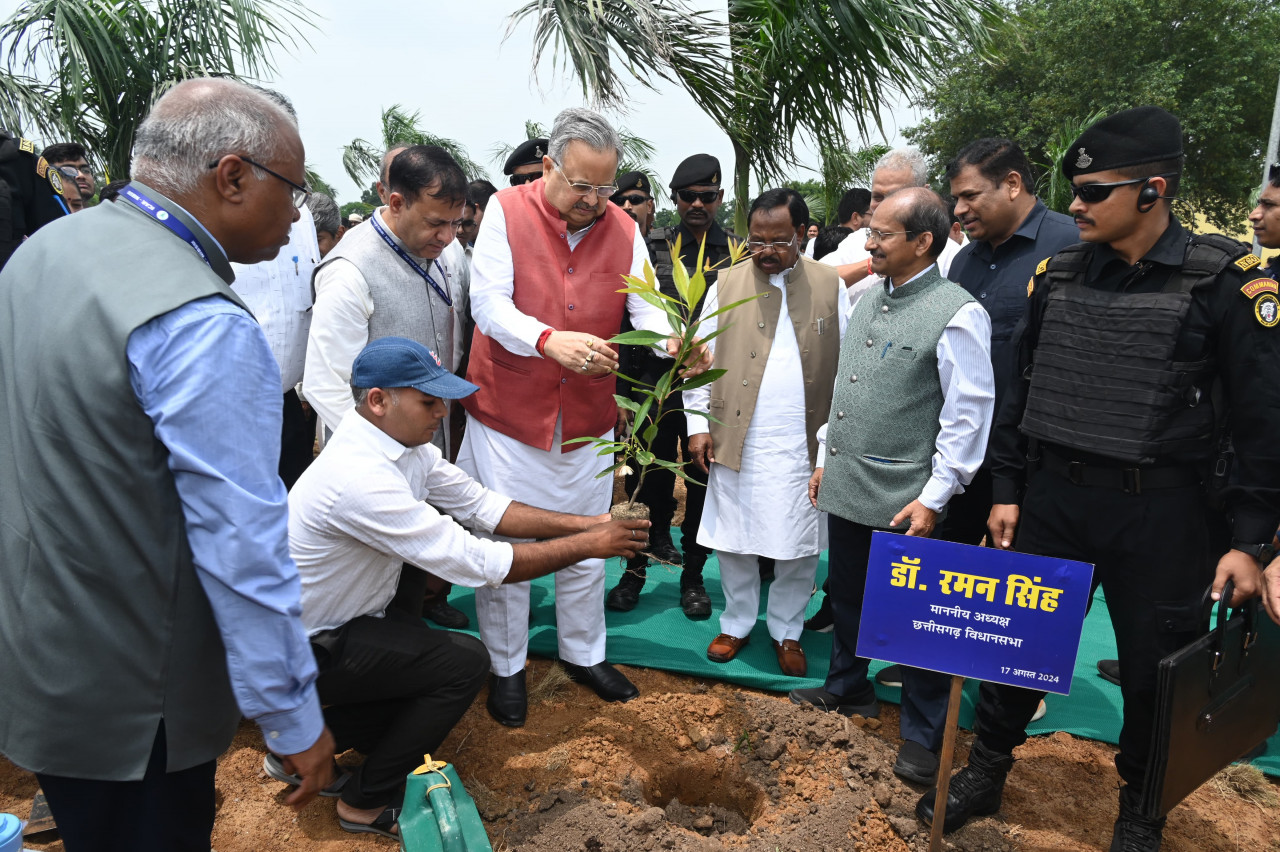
547, 270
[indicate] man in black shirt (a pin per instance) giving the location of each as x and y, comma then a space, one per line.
30, 193
1134, 346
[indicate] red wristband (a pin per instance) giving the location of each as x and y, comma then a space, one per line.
542, 340
869, 272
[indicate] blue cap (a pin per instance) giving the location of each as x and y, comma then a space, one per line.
397, 362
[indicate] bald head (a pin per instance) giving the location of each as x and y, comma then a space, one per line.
384, 171
922, 211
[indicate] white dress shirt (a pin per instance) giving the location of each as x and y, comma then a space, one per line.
968, 394
368, 504
853, 249
763, 507
341, 329
278, 293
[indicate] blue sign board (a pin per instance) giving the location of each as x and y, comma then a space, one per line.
974, 611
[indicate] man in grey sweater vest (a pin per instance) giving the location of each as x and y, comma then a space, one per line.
908, 428
147, 597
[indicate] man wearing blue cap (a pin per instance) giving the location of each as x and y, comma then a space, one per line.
379, 499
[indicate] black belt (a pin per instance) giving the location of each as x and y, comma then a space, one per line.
1131, 480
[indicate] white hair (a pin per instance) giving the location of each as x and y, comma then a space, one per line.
584, 125
198, 122
910, 159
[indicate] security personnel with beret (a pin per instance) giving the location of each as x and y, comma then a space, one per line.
524, 165
1138, 345
696, 190
30, 193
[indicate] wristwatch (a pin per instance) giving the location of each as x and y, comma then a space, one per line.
1264, 553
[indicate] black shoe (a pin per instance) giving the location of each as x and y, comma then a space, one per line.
766, 569
1109, 670
446, 616
624, 596
609, 683
662, 548
508, 701
975, 790
823, 700
890, 676
1135, 832
916, 763
694, 601
823, 621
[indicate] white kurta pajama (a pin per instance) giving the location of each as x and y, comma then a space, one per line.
763, 508
549, 479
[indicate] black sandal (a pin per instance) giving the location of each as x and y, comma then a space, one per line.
385, 824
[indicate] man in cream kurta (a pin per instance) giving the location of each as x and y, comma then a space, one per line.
761, 456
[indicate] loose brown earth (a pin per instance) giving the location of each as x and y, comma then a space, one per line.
691, 765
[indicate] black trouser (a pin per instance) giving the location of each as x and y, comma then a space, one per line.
965, 521
297, 439
924, 693
393, 688
657, 492
164, 812
1152, 556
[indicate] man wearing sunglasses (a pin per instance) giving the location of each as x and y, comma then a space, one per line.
524, 165
72, 155
695, 188
546, 271
1136, 347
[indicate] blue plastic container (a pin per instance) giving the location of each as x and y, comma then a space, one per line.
10, 833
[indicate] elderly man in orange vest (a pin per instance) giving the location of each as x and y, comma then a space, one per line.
546, 269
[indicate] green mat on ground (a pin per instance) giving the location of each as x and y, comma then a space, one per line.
657, 635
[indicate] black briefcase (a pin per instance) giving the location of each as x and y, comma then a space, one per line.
1216, 700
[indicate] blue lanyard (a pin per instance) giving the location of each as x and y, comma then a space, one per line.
413, 264
164, 217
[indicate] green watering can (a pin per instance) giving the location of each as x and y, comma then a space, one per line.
438, 814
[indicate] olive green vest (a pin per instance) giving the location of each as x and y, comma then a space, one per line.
883, 425
105, 629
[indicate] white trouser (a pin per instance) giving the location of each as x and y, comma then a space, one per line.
788, 594
560, 482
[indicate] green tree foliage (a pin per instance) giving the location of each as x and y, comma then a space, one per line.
362, 159
355, 207
89, 70
769, 68
319, 184
1212, 63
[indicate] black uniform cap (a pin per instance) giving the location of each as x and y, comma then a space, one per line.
1145, 134
698, 169
633, 180
525, 154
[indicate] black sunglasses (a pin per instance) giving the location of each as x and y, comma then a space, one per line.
1092, 193
706, 196
633, 200
520, 180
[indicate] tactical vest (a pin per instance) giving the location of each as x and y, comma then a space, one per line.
1104, 379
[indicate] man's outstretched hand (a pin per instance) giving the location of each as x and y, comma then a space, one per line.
314, 766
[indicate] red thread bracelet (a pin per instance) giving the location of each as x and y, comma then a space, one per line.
542, 341
869, 272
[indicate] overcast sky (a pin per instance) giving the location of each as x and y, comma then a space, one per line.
449, 61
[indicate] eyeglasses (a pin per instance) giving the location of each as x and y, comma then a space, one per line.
528, 177
69, 171
881, 236
1092, 193
761, 245
86, 170
706, 196
633, 200
300, 193
585, 189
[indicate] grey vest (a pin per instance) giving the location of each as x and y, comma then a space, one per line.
883, 427
105, 629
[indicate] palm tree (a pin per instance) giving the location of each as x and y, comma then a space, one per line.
89, 70
635, 155
363, 160
769, 68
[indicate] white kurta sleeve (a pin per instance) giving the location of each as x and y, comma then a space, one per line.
493, 286
339, 330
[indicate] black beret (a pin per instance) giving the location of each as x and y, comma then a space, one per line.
525, 154
634, 180
698, 169
1145, 134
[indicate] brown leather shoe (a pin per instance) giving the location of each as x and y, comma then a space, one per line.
724, 647
791, 658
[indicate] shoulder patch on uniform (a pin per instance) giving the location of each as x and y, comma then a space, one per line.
1031, 286
1267, 310
55, 181
28, 146
42, 167
1249, 261
1258, 286
1044, 264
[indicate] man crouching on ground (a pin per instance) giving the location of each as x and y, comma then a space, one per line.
381, 497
